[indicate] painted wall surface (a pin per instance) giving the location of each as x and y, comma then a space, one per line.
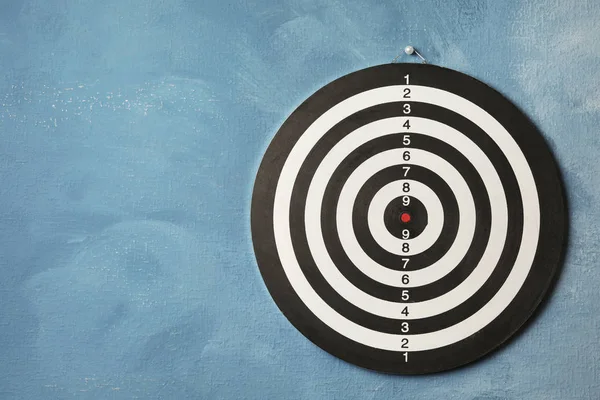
131, 132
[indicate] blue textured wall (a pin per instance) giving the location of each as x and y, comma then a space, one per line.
131, 131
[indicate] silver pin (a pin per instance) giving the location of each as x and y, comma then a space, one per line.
410, 50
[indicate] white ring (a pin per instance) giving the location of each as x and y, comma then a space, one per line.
382, 340
359, 176
417, 190
383, 160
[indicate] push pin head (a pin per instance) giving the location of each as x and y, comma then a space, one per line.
410, 50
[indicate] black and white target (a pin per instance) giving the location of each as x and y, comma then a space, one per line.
407, 218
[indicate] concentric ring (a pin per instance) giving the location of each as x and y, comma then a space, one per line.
527, 277
385, 196
364, 198
351, 246
378, 339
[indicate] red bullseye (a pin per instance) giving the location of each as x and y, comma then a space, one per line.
405, 217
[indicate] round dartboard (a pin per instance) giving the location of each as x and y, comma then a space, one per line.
407, 218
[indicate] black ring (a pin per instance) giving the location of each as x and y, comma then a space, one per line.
411, 217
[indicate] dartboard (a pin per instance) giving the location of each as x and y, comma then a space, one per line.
407, 218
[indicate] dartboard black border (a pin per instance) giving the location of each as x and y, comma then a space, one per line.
553, 219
